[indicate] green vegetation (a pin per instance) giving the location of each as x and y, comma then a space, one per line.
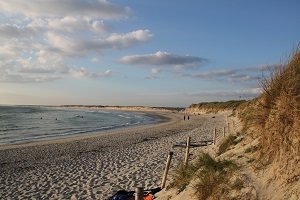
217, 106
207, 172
182, 176
211, 174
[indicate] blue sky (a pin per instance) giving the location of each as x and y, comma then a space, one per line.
152, 53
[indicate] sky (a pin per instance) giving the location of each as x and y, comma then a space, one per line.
148, 53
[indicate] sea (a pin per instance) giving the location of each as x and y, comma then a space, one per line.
23, 124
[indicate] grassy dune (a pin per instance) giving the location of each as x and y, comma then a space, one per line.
269, 155
274, 117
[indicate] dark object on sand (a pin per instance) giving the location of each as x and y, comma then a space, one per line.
129, 195
123, 195
213, 117
188, 117
184, 117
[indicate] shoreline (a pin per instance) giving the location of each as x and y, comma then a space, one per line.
95, 167
159, 116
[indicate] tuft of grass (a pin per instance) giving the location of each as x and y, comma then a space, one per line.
230, 140
182, 176
212, 174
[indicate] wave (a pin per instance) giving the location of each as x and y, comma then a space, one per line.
127, 117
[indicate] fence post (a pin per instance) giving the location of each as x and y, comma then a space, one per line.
164, 180
187, 151
228, 128
215, 136
139, 193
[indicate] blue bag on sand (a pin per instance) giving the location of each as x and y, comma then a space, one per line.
123, 195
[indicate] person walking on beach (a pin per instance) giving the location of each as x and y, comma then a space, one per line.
188, 117
184, 117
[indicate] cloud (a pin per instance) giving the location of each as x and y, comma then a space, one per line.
73, 47
101, 9
248, 93
72, 24
231, 75
84, 73
267, 67
154, 73
41, 37
8, 31
163, 59
19, 78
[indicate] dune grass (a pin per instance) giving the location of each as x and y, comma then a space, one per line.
218, 106
275, 115
207, 172
211, 174
225, 144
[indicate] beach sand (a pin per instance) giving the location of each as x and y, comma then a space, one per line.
96, 166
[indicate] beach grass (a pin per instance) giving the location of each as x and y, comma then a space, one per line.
218, 106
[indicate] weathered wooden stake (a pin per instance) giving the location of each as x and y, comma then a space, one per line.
139, 193
224, 131
228, 128
164, 180
215, 136
187, 151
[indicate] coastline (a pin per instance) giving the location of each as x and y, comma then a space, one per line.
158, 116
96, 166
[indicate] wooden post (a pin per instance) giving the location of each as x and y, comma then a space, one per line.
164, 180
187, 151
228, 128
224, 131
215, 136
139, 193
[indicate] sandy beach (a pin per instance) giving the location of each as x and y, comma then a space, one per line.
94, 167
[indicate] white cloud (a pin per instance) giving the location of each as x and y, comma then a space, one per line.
84, 73
73, 47
154, 73
125, 40
94, 59
101, 9
164, 58
41, 37
72, 24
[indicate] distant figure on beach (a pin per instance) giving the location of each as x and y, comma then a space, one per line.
188, 117
184, 117
55, 118
41, 118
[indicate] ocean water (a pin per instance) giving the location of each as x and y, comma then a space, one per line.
22, 124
